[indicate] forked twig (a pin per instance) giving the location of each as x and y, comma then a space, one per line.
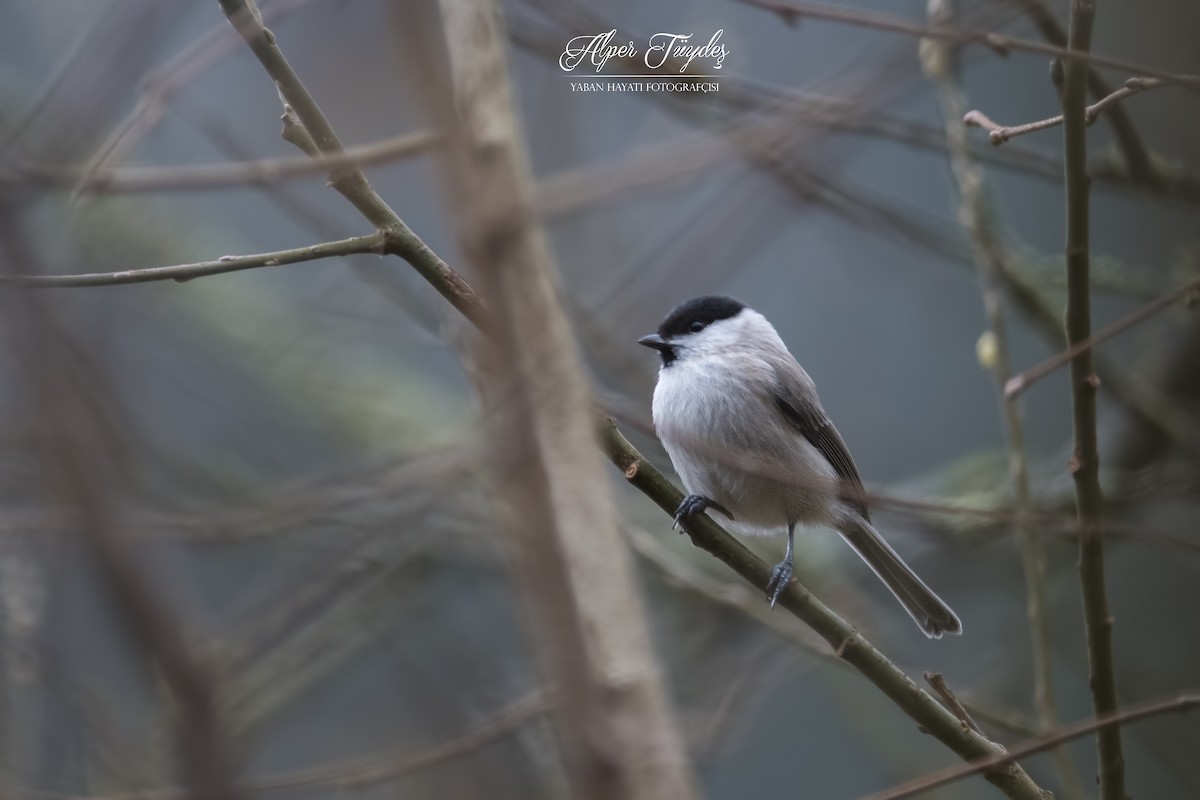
999, 134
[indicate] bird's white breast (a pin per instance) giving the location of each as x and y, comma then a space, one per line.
729, 443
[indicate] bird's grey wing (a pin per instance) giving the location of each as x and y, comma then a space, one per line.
807, 417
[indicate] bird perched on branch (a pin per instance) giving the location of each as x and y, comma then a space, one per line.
743, 425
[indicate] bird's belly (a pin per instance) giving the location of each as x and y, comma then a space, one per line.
764, 493
728, 445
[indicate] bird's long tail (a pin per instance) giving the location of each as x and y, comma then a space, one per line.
932, 615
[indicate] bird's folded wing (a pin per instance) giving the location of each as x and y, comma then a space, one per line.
810, 419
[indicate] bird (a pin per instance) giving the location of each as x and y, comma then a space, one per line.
746, 432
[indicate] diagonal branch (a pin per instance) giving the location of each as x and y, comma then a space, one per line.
1175, 705
158, 87
79, 456
348, 180
1021, 382
849, 645
745, 600
938, 682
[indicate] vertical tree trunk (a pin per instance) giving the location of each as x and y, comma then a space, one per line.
574, 570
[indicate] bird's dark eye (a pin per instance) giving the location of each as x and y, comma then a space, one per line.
697, 326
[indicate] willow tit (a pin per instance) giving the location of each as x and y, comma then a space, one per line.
744, 427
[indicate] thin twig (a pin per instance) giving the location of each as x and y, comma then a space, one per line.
376, 243
656, 165
158, 87
941, 64
348, 180
1085, 463
20, 121
1021, 382
1137, 160
938, 682
996, 42
1041, 744
999, 134
195, 177
395, 286
1142, 400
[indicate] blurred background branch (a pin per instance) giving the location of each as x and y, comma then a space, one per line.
942, 66
1046, 741
78, 446
572, 569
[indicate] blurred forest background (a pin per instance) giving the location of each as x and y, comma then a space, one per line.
288, 462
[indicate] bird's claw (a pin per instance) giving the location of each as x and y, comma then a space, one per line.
695, 504
781, 576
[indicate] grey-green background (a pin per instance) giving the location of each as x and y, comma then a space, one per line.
296, 463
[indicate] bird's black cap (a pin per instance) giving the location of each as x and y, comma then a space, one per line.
705, 310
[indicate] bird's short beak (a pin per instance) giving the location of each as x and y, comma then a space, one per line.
654, 342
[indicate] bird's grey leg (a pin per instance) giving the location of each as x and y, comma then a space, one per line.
781, 576
695, 504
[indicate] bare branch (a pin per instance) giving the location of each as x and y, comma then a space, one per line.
999, 134
741, 597
158, 87
941, 64
1085, 462
193, 177
996, 42
1180, 704
938, 682
1142, 400
79, 456
845, 640
848, 644
1021, 382
377, 243
347, 180
1140, 167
